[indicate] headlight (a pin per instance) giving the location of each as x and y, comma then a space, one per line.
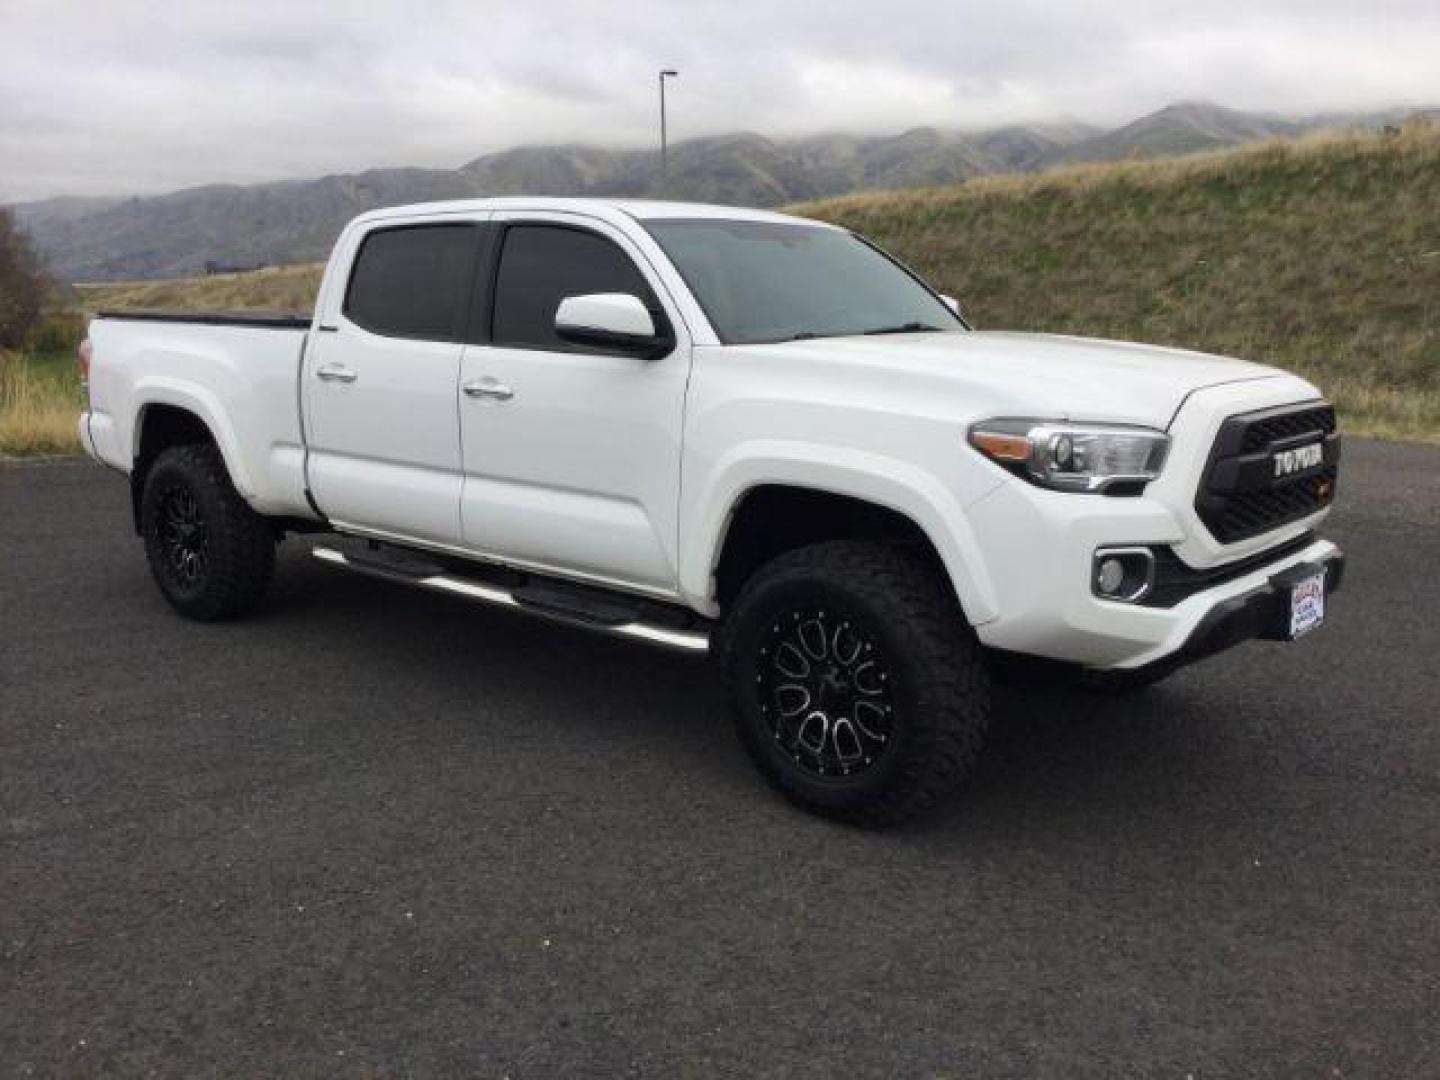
1074, 457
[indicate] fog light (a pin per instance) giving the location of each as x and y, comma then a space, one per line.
1111, 576
1123, 574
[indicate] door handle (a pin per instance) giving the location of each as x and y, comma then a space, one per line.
335, 373
488, 388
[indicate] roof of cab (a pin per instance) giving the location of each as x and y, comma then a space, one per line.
640, 209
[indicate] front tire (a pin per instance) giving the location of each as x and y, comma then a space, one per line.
211, 555
858, 687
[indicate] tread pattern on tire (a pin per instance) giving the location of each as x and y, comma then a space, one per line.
952, 689
242, 543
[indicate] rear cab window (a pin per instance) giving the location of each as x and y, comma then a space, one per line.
414, 281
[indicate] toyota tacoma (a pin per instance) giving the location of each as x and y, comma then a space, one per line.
731, 431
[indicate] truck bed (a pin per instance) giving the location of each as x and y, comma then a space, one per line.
237, 372
264, 320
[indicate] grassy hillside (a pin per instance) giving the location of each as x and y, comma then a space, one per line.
1321, 256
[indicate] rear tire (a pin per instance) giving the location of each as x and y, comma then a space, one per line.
858, 687
211, 555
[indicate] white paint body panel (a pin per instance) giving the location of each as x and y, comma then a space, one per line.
240, 381
627, 472
580, 469
385, 449
384, 446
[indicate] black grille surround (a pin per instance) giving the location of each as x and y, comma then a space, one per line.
1240, 495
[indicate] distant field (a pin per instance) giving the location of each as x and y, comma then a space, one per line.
283, 288
40, 391
1321, 256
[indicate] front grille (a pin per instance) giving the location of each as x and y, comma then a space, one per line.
1240, 494
1254, 512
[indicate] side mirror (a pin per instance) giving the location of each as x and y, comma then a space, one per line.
616, 321
953, 305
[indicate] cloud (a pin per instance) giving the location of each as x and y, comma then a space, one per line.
141, 97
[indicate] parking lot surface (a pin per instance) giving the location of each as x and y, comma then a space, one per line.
373, 832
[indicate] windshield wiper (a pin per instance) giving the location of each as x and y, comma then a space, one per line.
903, 328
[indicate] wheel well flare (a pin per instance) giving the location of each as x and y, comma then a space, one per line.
160, 427
773, 519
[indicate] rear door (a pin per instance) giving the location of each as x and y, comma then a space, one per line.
571, 454
380, 381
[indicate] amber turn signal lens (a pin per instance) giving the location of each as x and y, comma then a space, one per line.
1014, 448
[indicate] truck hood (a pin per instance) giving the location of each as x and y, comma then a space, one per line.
1042, 375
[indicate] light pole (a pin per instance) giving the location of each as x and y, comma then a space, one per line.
664, 74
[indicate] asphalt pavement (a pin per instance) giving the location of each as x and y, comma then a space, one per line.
372, 832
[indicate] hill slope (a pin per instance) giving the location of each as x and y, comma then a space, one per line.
1182, 129
173, 235
1322, 256
295, 221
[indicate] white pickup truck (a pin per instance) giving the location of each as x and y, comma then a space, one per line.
735, 431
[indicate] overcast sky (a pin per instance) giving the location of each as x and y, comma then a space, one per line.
122, 96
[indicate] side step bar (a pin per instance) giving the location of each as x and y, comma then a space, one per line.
543, 600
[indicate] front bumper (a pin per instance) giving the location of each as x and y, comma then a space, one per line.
1040, 548
1260, 612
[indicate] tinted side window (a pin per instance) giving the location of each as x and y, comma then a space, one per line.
413, 281
540, 265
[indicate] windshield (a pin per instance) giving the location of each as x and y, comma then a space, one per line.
762, 281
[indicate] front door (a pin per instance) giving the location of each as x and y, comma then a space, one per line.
571, 454
380, 384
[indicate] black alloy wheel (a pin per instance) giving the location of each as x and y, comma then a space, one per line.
209, 552
857, 685
183, 537
824, 691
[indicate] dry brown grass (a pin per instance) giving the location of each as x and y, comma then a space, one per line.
1321, 256
39, 407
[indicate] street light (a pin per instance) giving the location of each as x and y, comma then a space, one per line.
664, 74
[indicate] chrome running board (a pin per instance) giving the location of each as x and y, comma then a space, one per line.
545, 600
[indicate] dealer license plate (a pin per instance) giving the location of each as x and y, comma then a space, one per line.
1307, 604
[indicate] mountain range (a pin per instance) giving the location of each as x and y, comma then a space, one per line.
95, 239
